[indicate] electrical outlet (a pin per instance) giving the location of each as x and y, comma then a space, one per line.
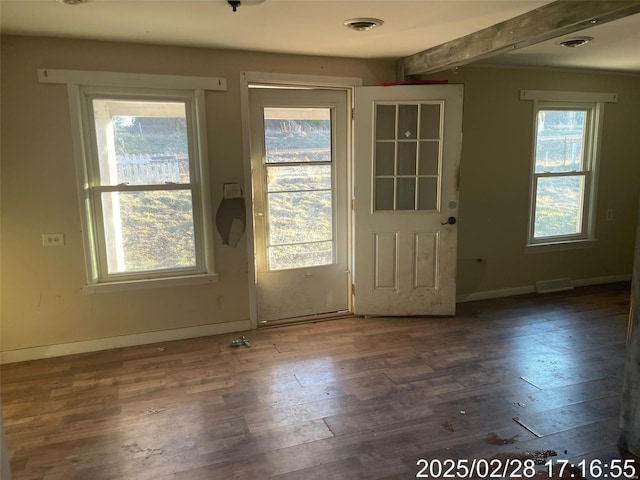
53, 239
610, 215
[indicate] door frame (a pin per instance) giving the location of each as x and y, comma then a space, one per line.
347, 84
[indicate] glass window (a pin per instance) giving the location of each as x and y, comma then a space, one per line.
563, 173
407, 157
299, 194
145, 187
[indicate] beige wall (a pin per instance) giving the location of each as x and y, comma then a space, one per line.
495, 179
41, 299
42, 303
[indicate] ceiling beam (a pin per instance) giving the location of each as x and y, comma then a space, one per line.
549, 21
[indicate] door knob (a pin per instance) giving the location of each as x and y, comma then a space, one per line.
450, 221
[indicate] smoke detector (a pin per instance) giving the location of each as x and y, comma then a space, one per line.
362, 24
575, 42
73, 2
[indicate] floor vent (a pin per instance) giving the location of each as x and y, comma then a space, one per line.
557, 285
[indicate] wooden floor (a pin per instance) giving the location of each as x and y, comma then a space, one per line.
357, 398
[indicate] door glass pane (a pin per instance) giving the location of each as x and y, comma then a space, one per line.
407, 121
297, 135
559, 206
429, 158
385, 122
141, 142
299, 217
299, 197
407, 158
417, 159
406, 194
384, 194
300, 255
428, 194
560, 140
148, 230
298, 177
385, 156
429, 121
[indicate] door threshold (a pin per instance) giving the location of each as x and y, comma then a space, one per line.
321, 317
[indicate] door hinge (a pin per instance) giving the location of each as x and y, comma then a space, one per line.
353, 204
353, 113
353, 289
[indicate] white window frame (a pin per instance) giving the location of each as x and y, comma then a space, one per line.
82, 87
593, 105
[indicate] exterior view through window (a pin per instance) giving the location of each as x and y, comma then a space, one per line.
144, 190
299, 195
559, 167
562, 173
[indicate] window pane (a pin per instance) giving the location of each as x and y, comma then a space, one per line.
141, 142
560, 140
299, 217
429, 122
384, 194
407, 121
148, 230
429, 158
300, 255
385, 156
297, 134
428, 194
559, 206
406, 194
407, 158
385, 122
298, 177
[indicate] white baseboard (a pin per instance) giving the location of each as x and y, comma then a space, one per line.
487, 294
509, 292
59, 350
585, 282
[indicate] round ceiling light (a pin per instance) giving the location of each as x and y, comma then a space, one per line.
575, 42
362, 24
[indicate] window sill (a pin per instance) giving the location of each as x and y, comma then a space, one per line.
559, 246
111, 287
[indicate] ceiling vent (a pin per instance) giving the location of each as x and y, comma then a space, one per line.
362, 24
575, 42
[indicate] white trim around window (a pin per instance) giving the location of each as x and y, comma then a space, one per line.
567, 129
94, 110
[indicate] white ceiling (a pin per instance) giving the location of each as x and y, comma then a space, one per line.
615, 47
309, 27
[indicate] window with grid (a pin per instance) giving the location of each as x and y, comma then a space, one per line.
408, 152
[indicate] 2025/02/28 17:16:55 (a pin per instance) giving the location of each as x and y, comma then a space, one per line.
615, 468
516, 468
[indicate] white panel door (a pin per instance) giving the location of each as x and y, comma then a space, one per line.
407, 155
300, 201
